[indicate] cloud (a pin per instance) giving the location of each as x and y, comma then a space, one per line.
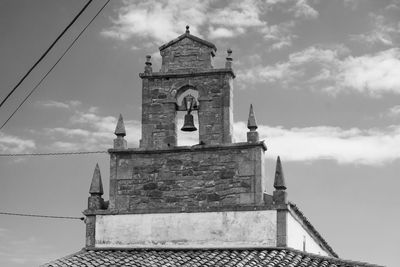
293, 70
220, 32
280, 35
58, 104
346, 146
88, 130
14, 144
393, 112
374, 74
238, 14
302, 9
332, 70
157, 22
382, 32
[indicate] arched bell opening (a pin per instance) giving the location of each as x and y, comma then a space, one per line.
187, 120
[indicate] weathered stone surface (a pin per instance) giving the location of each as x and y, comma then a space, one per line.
160, 104
251, 122
279, 182
96, 187
187, 178
120, 128
252, 137
90, 222
188, 230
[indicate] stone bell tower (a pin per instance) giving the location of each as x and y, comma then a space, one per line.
186, 64
209, 195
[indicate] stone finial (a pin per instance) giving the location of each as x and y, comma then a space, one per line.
120, 129
252, 136
228, 63
279, 195
148, 68
187, 29
120, 142
279, 183
96, 187
251, 122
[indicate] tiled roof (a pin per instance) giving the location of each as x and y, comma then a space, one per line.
272, 257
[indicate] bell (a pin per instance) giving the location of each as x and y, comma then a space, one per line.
188, 125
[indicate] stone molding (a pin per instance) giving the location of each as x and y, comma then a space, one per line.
179, 149
181, 74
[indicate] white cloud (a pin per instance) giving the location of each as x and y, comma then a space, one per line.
280, 35
58, 104
161, 21
292, 70
332, 70
238, 16
374, 74
346, 146
15, 144
157, 20
302, 9
90, 131
393, 111
382, 32
220, 32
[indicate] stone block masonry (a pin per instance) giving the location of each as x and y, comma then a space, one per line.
185, 55
200, 176
159, 107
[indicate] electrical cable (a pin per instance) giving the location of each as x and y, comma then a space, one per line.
42, 216
55, 64
46, 52
52, 153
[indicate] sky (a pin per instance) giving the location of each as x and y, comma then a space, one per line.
323, 76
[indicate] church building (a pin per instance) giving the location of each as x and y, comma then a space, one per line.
200, 205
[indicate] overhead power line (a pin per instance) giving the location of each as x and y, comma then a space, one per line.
42, 216
53, 153
55, 64
45, 53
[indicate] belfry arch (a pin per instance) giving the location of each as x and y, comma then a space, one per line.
186, 65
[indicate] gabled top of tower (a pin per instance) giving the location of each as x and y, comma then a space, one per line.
187, 52
190, 36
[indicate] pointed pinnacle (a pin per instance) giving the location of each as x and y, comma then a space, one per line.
120, 129
279, 182
96, 187
251, 122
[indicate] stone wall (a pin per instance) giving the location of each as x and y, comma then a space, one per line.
227, 229
202, 176
186, 54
